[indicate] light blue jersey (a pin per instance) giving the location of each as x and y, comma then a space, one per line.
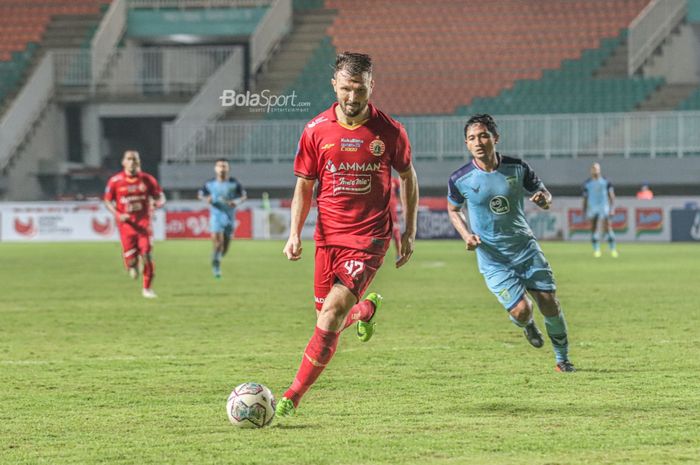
597, 192
221, 214
509, 257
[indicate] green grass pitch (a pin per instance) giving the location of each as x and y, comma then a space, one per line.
90, 372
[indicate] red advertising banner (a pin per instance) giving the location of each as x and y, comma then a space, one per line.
194, 224
649, 221
579, 224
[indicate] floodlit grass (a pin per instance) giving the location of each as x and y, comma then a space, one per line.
90, 372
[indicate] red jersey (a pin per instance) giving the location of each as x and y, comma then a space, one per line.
353, 169
132, 194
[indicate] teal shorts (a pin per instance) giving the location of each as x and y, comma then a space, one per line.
510, 282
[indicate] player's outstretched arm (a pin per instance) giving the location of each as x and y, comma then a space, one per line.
542, 199
457, 219
121, 217
301, 204
409, 200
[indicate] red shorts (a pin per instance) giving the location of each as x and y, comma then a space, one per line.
136, 239
354, 268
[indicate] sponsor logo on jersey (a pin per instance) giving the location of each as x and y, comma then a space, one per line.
350, 144
327, 146
364, 167
377, 147
331, 167
499, 205
504, 294
649, 221
318, 120
351, 183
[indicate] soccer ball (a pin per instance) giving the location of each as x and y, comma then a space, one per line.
251, 405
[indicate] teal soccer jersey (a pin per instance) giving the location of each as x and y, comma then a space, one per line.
494, 202
509, 257
596, 191
221, 214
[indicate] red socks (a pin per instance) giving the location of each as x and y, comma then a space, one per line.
149, 269
361, 311
317, 355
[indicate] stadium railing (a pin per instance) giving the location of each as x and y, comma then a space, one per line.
206, 106
106, 39
590, 135
276, 23
158, 71
26, 109
649, 29
155, 4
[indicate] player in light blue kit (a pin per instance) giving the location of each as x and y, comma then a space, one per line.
598, 199
223, 193
492, 187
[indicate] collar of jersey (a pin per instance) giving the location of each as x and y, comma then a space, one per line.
372, 113
133, 178
498, 158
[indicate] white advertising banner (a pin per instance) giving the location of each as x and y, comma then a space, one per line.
63, 221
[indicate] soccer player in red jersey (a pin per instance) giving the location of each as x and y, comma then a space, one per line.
131, 196
348, 151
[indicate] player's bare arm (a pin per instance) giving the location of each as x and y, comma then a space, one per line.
204, 198
159, 202
236, 202
301, 204
611, 199
459, 222
409, 204
121, 217
542, 198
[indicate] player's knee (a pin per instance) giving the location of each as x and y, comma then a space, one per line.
333, 312
549, 304
522, 311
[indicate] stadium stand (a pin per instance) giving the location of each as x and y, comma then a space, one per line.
692, 102
419, 48
456, 47
28, 26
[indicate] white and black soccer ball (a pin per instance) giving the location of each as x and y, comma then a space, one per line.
251, 405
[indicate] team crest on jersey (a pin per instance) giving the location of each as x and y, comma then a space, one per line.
499, 205
377, 147
504, 294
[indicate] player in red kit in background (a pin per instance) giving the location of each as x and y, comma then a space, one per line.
131, 196
350, 150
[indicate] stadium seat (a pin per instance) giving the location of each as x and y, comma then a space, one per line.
465, 50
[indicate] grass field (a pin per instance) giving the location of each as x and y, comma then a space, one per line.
90, 372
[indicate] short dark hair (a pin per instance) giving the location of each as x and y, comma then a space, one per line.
353, 63
485, 119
